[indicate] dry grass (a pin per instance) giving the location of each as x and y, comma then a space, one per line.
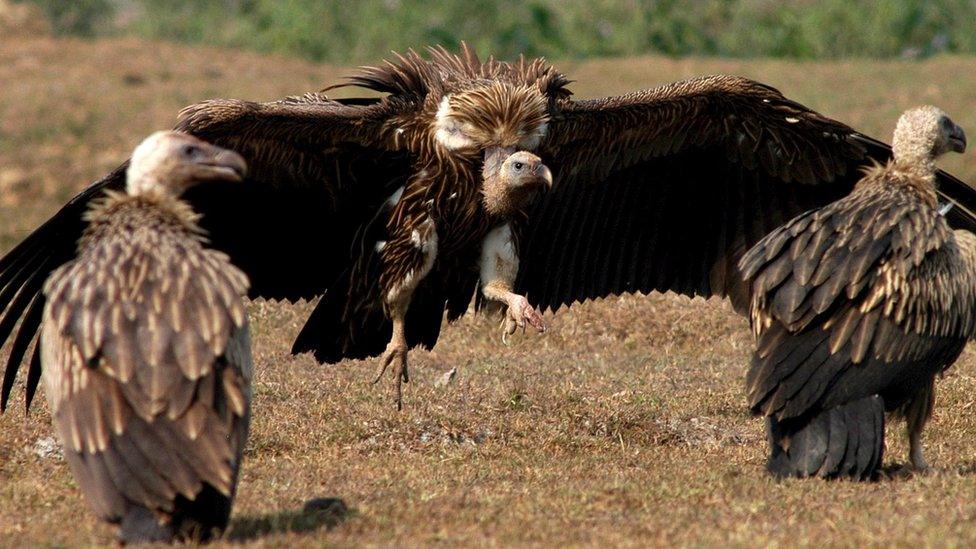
625, 425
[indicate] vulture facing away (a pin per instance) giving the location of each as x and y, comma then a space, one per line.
145, 351
857, 307
395, 209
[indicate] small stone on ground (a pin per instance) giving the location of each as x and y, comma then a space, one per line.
446, 378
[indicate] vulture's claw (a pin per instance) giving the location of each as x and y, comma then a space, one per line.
919, 465
904, 471
396, 352
520, 313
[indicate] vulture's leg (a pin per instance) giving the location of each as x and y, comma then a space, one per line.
917, 413
499, 265
407, 258
915, 452
396, 352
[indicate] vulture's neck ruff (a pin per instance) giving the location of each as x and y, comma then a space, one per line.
117, 208
490, 115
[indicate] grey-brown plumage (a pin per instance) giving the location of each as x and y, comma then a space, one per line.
857, 307
386, 206
146, 354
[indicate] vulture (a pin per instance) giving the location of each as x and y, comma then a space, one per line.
482, 179
145, 351
857, 307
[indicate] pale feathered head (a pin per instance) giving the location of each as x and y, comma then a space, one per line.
525, 170
512, 180
172, 162
925, 133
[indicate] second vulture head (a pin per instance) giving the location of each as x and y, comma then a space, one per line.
512, 179
172, 162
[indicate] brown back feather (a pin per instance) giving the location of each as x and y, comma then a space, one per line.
146, 357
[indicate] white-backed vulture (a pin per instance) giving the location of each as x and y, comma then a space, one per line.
857, 307
383, 206
146, 354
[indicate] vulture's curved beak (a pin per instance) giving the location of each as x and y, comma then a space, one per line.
544, 174
225, 165
957, 139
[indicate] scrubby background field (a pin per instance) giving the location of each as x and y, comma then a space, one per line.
626, 424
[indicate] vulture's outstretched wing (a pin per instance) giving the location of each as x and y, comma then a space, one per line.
318, 169
665, 189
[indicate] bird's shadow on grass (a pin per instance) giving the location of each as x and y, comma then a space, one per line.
317, 513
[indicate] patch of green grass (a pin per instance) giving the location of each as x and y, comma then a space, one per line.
341, 31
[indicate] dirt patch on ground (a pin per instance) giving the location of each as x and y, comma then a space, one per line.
22, 20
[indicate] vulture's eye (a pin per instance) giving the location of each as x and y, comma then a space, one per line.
189, 151
518, 166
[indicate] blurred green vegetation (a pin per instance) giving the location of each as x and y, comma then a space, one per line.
365, 30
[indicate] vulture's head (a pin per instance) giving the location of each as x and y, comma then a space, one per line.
492, 115
172, 162
511, 180
925, 133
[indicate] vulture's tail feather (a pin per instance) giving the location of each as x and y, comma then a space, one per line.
349, 320
335, 330
845, 441
332, 334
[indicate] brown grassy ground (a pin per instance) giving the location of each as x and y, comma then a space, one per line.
625, 425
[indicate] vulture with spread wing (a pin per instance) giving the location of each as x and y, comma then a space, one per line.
393, 208
145, 351
858, 306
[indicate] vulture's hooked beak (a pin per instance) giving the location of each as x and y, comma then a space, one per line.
225, 165
957, 139
544, 174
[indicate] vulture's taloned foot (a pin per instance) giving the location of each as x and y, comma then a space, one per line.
519, 314
396, 352
903, 471
917, 460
